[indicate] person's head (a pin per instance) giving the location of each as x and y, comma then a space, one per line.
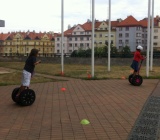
34, 52
139, 48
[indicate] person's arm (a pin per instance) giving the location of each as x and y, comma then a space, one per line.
34, 62
142, 57
37, 62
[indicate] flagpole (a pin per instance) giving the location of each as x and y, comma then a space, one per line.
62, 36
109, 37
148, 39
152, 27
93, 25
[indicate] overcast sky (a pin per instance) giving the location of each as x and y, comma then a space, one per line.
45, 15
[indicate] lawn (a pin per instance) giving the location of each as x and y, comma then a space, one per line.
82, 71
14, 78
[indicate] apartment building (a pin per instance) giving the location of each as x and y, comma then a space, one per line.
101, 33
21, 43
156, 33
79, 36
130, 32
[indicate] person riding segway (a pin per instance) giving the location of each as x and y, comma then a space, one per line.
23, 95
135, 78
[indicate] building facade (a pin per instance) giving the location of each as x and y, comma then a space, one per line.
130, 32
21, 43
75, 38
79, 37
156, 33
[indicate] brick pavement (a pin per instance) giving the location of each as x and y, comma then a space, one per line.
111, 106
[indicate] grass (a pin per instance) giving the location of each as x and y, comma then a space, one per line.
14, 78
82, 71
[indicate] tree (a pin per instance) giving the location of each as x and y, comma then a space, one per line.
126, 52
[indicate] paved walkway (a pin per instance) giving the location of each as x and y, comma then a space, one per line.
111, 106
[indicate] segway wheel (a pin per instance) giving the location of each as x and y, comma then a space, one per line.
130, 78
27, 97
14, 93
137, 80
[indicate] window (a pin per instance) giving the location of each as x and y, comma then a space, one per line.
101, 28
70, 51
138, 28
74, 33
120, 35
112, 35
127, 28
87, 44
57, 51
138, 35
81, 44
95, 35
57, 39
120, 41
155, 44
58, 45
120, 29
81, 33
70, 39
81, 38
70, 45
100, 42
75, 44
127, 35
156, 30
100, 35
75, 38
138, 41
127, 41
87, 38
155, 37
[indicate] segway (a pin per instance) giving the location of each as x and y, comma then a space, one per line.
26, 97
137, 80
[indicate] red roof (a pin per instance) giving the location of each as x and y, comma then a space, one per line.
69, 31
87, 26
114, 23
129, 21
32, 35
143, 23
4, 36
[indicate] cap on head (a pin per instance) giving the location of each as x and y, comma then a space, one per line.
139, 47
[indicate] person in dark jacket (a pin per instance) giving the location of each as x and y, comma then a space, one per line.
28, 70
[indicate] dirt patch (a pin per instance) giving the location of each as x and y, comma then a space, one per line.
5, 70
